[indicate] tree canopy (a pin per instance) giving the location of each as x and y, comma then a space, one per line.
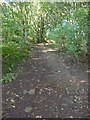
66, 23
35, 19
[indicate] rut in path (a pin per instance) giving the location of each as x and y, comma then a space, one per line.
48, 85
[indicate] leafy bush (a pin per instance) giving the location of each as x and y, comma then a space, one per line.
13, 54
70, 37
16, 39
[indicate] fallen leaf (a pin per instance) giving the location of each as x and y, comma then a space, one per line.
12, 100
38, 116
32, 91
28, 109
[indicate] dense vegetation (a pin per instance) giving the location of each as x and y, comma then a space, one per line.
24, 23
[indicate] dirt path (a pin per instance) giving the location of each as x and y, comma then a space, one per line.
47, 86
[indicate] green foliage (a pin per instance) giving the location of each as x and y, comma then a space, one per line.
24, 24
71, 32
8, 77
13, 54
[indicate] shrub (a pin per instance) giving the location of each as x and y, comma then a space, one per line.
13, 54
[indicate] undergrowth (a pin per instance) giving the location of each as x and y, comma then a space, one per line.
12, 54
